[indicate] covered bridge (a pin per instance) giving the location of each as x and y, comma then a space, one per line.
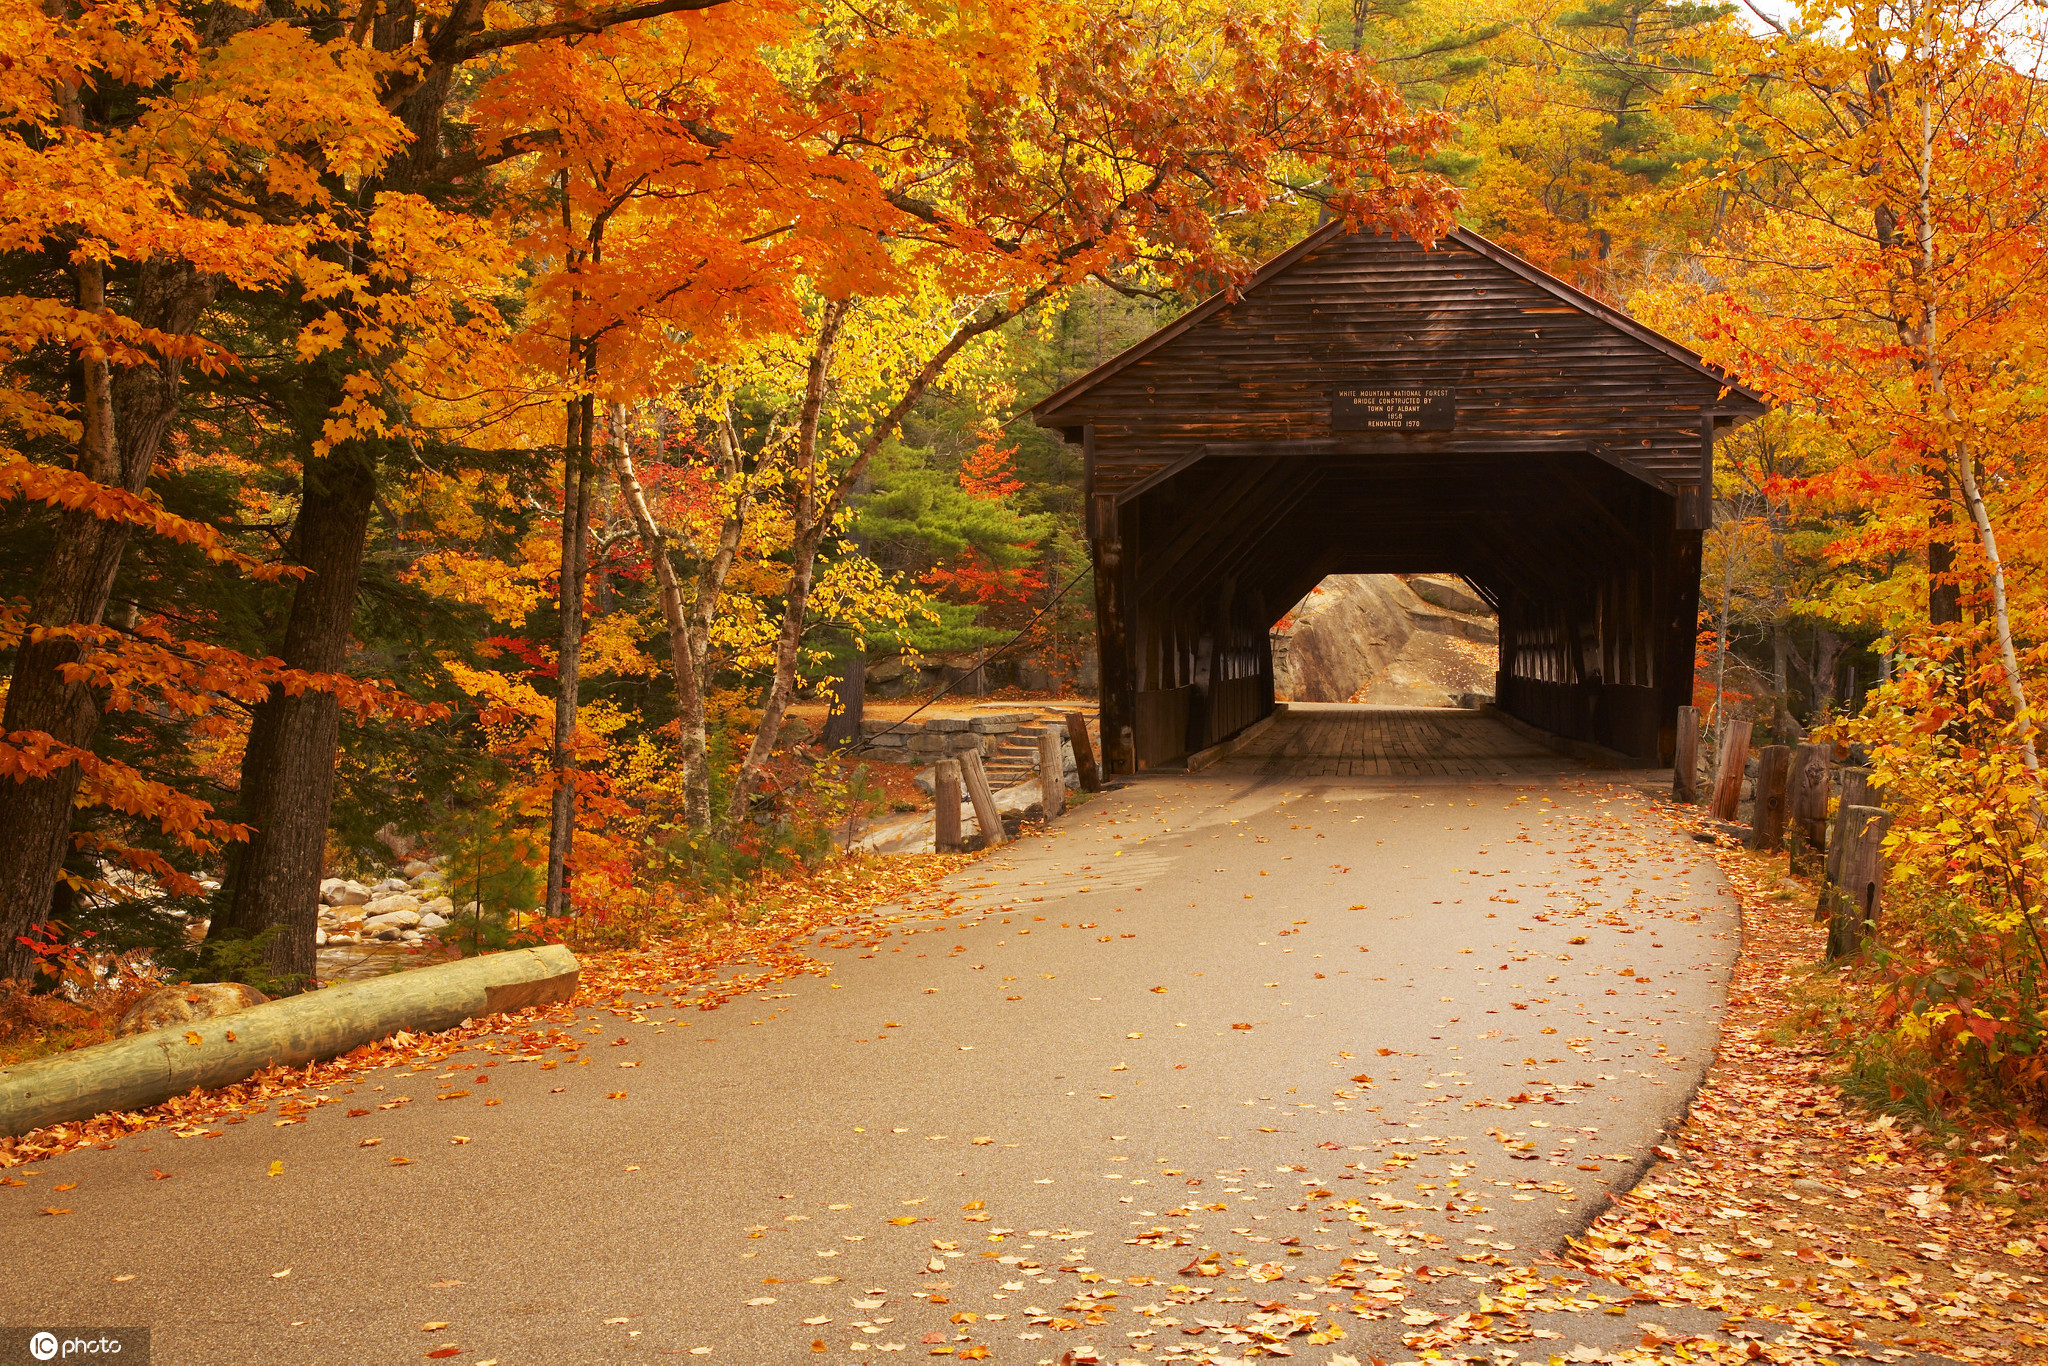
1366, 405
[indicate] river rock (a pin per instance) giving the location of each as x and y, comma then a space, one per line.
417, 868
385, 905
390, 885
185, 1002
336, 892
398, 918
430, 921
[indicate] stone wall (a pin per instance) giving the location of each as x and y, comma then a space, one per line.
926, 741
904, 675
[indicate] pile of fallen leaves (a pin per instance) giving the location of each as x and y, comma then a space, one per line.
1780, 1201
755, 940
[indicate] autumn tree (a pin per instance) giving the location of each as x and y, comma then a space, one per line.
284, 156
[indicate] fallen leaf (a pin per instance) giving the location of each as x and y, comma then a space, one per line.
762, 1299
276, 1169
192, 1037
280, 1275
68, 1186
51, 1209
434, 1327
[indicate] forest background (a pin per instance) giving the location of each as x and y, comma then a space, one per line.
482, 421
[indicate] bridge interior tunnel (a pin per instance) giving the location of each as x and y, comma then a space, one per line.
1594, 583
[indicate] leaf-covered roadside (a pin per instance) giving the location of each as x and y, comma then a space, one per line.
1781, 1200
753, 940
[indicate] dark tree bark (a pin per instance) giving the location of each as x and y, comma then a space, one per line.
578, 473
288, 766
124, 416
1944, 594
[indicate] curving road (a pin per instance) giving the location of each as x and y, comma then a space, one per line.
1348, 1027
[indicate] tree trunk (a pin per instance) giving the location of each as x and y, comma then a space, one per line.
685, 665
2001, 621
123, 414
288, 764
810, 522
577, 472
813, 512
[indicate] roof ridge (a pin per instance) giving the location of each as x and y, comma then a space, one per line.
1471, 241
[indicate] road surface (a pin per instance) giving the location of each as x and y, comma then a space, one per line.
1343, 1026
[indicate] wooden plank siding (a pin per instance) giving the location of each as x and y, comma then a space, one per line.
1220, 491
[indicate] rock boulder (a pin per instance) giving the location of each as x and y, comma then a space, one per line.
185, 1002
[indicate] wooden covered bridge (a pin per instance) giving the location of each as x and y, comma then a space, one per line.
1368, 406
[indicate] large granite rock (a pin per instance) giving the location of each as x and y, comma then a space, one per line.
1415, 640
186, 1002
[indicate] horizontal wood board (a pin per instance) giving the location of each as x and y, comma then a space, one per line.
1535, 371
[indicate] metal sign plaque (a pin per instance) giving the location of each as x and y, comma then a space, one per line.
1394, 408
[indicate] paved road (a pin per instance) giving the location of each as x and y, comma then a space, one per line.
1157, 1022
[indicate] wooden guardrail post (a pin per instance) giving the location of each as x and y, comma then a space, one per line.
1728, 777
1767, 814
1853, 789
1052, 772
1685, 758
1859, 897
985, 814
946, 808
1806, 806
1084, 752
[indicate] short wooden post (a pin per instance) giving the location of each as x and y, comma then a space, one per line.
1860, 896
946, 809
1052, 772
1685, 759
1767, 816
1728, 778
1084, 752
1806, 806
1854, 790
985, 814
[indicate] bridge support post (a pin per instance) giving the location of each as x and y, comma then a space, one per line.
1119, 692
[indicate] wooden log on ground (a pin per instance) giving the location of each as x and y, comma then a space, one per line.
1767, 814
1685, 760
1084, 752
985, 813
1728, 777
147, 1069
946, 807
1806, 807
1860, 896
1052, 772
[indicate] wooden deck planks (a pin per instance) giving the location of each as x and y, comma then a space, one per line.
1381, 743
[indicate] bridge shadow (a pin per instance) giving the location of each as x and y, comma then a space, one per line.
1355, 740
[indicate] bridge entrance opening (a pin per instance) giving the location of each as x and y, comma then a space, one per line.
1388, 640
1365, 407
